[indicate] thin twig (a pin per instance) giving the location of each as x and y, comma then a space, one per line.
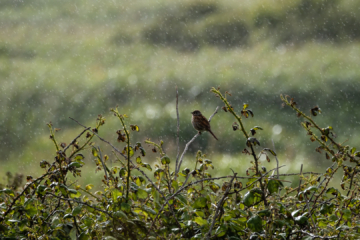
178, 128
294, 174
351, 182
103, 164
117, 150
277, 161
217, 211
300, 178
319, 187
308, 207
177, 168
74, 140
79, 202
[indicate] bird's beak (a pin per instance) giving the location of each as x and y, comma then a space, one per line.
191, 112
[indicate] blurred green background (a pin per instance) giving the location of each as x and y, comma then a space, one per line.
61, 59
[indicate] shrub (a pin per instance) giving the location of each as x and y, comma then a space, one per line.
304, 20
187, 203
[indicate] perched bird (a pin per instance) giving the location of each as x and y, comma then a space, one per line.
200, 123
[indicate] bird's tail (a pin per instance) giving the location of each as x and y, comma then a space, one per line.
213, 134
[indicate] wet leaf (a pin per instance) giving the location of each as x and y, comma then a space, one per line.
255, 224
274, 185
165, 160
200, 202
94, 152
135, 128
75, 164
79, 157
200, 221
142, 194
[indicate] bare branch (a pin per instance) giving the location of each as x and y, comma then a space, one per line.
217, 211
178, 128
177, 168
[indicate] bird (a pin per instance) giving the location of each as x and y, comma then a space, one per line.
200, 123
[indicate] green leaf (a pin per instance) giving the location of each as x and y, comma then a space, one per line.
346, 214
252, 140
296, 213
148, 210
264, 213
146, 165
311, 189
120, 215
269, 150
41, 189
214, 187
353, 150
221, 230
84, 236
200, 213
135, 128
122, 172
67, 216
72, 234
74, 164
245, 105
165, 160
94, 152
200, 221
76, 210
79, 157
74, 194
333, 218
175, 185
143, 152
130, 150
274, 185
138, 160
142, 194
125, 207
302, 220
255, 223
181, 198
251, 197
326, 208
200, 202
333, 191
7, 191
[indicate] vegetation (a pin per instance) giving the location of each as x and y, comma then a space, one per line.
187, 203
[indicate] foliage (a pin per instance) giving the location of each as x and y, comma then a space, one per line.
192, 25
190, 203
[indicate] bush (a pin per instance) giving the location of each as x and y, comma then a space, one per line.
225, 31
189, 203
304, 20
190, 26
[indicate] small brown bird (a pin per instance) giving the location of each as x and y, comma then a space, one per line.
200, 123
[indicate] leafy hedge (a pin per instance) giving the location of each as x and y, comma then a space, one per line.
185, 203
192, 25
